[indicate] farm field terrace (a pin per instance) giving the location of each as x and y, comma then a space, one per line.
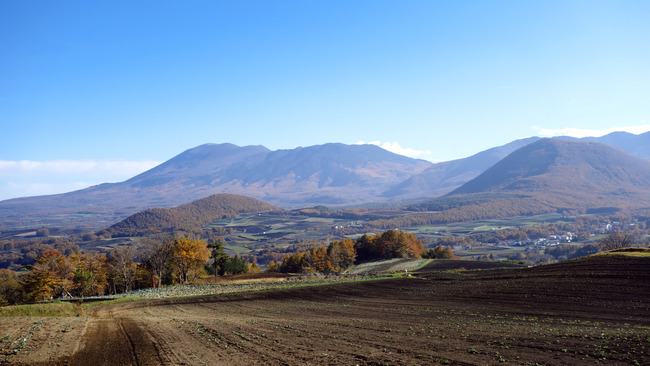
473, 227
594, 310
261, 231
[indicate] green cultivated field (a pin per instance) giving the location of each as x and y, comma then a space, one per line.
473, 227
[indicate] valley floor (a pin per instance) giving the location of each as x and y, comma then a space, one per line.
587, 311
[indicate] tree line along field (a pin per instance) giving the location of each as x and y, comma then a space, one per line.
588, 311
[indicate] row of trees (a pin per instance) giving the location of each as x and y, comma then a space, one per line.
340, 255
156, 263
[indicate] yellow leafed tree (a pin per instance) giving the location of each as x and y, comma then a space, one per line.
50, 276
188, 257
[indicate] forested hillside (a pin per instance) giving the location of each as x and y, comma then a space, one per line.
189, 217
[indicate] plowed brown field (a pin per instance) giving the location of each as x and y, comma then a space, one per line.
588, 311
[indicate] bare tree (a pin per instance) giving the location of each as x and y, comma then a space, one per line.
158, 255
616, 241
123, 268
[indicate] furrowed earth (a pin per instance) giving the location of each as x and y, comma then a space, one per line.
594, 310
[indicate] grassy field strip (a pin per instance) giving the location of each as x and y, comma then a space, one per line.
424, 263
195, 290
237, 249
387, 266
630, 252
487, 225
48, 309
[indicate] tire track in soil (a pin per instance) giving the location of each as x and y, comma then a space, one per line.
103, 343
111, 340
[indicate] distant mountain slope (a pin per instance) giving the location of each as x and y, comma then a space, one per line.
637, 145
208, 160
188, 217
330, 174
444, 177
322, 174
565, 173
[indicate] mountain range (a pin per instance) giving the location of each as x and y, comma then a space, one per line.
338, 174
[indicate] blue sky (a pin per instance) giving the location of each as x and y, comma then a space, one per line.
98, 91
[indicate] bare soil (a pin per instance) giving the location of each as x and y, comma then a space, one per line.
587, 311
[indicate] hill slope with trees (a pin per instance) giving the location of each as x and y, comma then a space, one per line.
189, 217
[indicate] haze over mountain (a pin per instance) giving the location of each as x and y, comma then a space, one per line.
329, 174
564, 173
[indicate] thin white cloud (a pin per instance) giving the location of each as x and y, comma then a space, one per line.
33, 178
583, 132
395, 147
110, 169
26, 189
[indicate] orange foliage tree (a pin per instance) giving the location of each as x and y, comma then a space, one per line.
253, 268
441, 252
188, 257
11, 292
389, 244
342, 254
273, 267
293, 263
90, 273
50, 276
320, 260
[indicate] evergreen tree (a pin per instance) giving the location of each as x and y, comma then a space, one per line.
218, 256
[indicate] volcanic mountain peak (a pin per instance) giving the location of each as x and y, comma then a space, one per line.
198, 161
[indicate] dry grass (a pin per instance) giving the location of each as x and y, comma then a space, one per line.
55, 308
630, 252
